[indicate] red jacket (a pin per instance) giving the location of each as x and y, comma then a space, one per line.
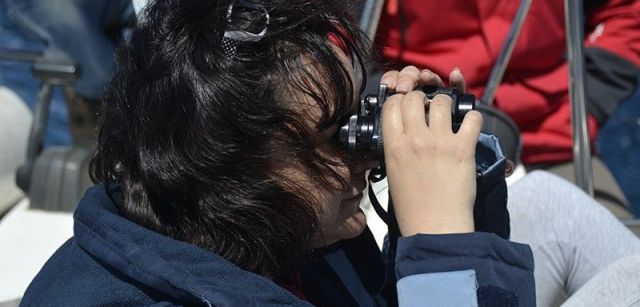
441, 35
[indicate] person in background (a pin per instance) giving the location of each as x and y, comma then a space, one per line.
534, 89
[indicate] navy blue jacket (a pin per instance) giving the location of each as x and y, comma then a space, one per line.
113, 261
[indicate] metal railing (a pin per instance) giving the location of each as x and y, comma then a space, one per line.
575, 51
504, 56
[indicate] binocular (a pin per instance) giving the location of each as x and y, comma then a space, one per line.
362, 134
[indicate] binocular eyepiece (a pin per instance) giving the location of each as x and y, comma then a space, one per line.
363, 133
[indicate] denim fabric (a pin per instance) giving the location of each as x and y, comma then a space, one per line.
80, 31
618, 144
84, 32
17, 76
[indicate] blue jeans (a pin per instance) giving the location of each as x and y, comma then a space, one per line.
82, 31
618, 145
76, 30
17, 76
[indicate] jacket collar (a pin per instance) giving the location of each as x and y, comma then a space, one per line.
178, 269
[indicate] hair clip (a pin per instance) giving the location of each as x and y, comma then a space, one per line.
233, 37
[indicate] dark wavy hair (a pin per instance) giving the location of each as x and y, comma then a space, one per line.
188, 131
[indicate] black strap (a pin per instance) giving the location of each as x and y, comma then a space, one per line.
376, 175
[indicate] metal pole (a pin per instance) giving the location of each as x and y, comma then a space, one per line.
505, 53
581, 148
370, 17
40, 117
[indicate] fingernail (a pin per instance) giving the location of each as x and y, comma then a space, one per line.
426, 72
457, 69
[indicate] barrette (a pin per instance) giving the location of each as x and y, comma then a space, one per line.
233, 37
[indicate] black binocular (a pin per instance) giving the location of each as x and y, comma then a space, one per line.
362, 134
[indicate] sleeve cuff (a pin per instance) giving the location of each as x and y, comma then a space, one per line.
456, 288
498, 263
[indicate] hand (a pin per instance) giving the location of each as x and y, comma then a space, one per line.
430, 169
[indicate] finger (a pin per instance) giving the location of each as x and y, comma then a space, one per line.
471, 126
390, 78
429, 78
392, 125
456, 79
407, 79
440, 113
413, 113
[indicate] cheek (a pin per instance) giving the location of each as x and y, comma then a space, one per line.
342, 228
326, 196
329, 206
339, 220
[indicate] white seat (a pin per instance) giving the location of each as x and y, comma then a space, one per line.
28, 238
15, 122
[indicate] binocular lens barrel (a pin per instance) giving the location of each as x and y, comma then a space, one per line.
363, 133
